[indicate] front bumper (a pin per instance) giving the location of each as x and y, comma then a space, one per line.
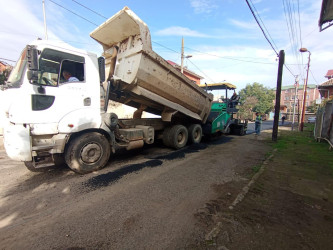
17, 141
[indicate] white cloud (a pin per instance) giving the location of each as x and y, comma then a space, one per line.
244, 25
180, 31
203, 6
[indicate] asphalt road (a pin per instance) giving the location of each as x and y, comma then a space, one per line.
264, 126
144, 199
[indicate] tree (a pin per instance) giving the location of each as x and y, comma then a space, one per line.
4, 76
263, 95
312, 108
246, 108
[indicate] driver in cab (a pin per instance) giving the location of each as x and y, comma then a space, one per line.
68, 76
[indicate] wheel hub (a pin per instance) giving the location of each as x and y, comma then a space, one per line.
91, 153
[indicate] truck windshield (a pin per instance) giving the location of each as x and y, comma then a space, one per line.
15, 78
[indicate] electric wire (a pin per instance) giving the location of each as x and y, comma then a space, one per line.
313, 77
89, 9
263, 24
73, 13
261, 27
200, 70
7, 59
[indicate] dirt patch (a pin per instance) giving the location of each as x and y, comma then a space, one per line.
290, 206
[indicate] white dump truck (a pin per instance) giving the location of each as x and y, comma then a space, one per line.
56, 98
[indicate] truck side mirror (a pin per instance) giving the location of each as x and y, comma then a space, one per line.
32, 57
32, 75
101, 68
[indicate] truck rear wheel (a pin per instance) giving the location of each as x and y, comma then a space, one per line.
166, 136
88, 152
178, 136
195, 133
242, 131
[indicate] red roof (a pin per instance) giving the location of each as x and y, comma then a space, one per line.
185, 69
329, 73
327, 83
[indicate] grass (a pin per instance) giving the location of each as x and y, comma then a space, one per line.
256, 168
301, 151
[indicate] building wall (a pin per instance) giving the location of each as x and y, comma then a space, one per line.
2, 67
288, 94
193, 78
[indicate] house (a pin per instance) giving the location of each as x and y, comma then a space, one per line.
188, 73
3, 67
326, 88
288, 94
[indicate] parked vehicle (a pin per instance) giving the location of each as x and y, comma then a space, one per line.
312, 119
56, 99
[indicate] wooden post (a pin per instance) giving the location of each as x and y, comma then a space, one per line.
278, 96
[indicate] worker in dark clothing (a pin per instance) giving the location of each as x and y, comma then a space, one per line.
283, 119
258, 123
234, 100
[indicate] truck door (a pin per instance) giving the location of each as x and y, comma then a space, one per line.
62, 86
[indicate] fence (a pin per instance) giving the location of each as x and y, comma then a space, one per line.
323, 123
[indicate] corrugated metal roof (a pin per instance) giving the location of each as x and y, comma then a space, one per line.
326, 14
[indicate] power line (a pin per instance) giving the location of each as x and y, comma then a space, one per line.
263, 25
89, 9
313, 77
289, 70
73, 13
200, 70
7, 59
261, 28
230, 58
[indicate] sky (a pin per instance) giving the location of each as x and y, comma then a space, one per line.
222, 36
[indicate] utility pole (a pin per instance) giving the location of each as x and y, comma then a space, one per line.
305, 87
45, 28
182, 57
295, 99
278, 96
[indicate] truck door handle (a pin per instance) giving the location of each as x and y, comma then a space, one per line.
87, 101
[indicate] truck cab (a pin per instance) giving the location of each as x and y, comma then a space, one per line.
42, 107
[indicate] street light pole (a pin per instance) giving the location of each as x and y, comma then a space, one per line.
182, 57
305, 87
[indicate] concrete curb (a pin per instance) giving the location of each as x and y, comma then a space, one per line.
246, 189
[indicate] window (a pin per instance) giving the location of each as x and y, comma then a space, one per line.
53, 63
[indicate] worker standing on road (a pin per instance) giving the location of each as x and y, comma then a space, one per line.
283, 119
258, 123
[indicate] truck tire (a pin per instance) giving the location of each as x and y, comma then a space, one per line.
241, 131
195, 133
178, 136
166, 137
88, 152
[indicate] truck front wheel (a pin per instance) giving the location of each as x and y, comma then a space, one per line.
88, 152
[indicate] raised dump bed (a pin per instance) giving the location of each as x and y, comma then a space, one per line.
142, 79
